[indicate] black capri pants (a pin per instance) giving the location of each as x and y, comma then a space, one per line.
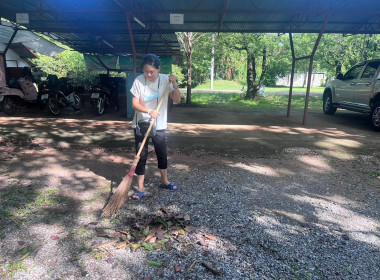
159, 142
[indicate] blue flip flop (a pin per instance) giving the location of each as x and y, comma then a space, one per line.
170, 187
138, 194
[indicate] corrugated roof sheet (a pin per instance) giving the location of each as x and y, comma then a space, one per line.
98, 26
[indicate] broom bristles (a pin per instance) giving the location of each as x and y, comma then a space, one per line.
120, 195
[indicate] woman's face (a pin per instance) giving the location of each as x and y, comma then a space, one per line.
151, 72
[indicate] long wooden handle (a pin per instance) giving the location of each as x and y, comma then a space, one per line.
152, 121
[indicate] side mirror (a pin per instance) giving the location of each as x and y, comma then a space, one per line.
340, 76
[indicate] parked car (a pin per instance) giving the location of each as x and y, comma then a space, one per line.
358, 90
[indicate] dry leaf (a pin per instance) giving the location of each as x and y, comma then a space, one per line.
136, 246
204, 243
189, 229
160, 233
164, 210
186, 218
53, 237
152, 240
151, 234
105, 245
211, 237
121, 245
177, 268
103, 233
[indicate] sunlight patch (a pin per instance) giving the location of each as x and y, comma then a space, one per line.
257, 169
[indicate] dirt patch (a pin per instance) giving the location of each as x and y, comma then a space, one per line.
260, 196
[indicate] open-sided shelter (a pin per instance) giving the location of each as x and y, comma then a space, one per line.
138, 26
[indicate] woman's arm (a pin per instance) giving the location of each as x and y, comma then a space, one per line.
136, 105
175, 94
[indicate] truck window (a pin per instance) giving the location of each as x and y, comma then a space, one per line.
354, 72
370, 70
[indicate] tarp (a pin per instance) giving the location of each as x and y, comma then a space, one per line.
28, 39
123, 62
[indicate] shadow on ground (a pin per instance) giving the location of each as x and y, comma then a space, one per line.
281, 199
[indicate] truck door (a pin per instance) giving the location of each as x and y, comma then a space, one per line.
345, 91
365, 84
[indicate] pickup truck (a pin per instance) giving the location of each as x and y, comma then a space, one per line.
357, 90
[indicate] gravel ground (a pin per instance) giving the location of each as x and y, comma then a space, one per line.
300, 212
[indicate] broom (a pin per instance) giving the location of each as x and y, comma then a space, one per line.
121, 193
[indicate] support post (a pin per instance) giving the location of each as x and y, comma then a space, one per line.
291, 75
132, 43
306, 110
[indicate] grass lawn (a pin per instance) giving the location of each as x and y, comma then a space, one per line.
233, 85
269, 101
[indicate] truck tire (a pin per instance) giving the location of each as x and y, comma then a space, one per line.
375, 116
328, 107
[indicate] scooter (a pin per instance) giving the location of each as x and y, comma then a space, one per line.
17, 95
103, 98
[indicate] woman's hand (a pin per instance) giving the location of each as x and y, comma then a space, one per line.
153, 113
173, 80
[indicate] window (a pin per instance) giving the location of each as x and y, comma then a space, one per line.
354, 72
370, 70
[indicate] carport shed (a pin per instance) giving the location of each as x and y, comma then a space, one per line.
123, 27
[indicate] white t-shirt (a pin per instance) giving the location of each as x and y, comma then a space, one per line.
152, 93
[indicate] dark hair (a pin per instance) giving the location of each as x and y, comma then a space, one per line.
151, 59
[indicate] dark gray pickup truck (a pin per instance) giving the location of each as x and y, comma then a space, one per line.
357, 90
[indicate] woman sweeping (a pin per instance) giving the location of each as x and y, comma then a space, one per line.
147, 90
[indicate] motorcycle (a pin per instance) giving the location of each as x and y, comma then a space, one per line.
103, 98
56, 94
17, 95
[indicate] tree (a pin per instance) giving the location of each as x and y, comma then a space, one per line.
258, 48
187, 41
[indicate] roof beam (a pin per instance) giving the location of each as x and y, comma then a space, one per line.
225, 6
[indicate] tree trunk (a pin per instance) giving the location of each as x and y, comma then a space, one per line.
251, 76
189, 82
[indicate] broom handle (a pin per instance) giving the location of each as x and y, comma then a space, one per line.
152, 121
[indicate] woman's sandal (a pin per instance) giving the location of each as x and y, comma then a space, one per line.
138, 195
170, 187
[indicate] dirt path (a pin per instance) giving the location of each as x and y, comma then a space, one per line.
261, 197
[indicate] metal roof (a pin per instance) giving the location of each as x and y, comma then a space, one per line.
98, 26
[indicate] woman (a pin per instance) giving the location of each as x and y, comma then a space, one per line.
147, 91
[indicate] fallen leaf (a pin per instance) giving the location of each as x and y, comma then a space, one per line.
136, 246
121, 245
156, 264
151, 234
53, 237
177, 268
182, 232
164, 210
160, 233
186, 218
211, 237
105, 245
147, 247
189, 229
204, 243
101, 232
146, 231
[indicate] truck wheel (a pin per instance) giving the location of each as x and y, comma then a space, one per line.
9, 106
375, 116
328, 107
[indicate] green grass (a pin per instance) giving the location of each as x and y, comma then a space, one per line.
233, 85
221, 85
268, 101
19, 203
